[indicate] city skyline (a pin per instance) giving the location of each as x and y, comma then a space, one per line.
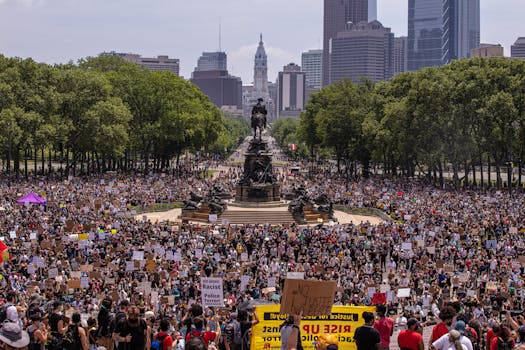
57, 31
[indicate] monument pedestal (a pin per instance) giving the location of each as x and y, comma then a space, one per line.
258, 184
258, 193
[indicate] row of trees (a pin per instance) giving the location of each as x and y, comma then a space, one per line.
105, 114
468, 116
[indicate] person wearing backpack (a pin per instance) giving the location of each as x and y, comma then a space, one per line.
163, 340
75, 337
246, 327
200, 332
502, 339
37, 332
104, 320
232, 334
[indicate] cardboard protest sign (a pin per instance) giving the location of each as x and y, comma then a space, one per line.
212, 292
312, 298
86, 268
448, 268
73, 284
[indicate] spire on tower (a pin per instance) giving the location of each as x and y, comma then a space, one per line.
260, 36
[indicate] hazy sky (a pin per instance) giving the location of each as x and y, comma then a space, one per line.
56, 31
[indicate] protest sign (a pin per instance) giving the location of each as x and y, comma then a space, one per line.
403, 292
379, 299
343, 320
295, 275
312, 298
212, 292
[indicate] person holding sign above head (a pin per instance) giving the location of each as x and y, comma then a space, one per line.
366, 337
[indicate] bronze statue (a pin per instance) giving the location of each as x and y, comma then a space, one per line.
258, 119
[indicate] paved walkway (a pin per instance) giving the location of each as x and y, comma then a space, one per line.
342, 217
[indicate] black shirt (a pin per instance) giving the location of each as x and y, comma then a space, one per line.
366, 338
138, 335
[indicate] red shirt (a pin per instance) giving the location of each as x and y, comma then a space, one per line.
489, 336
494, 343
409, 339
385, 327
167, 342
438, 331
208, 336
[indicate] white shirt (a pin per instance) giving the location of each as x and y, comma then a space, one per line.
444, 343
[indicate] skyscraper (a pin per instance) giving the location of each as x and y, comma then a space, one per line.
290, 91
400, 55
336, 15
461, 28
212, 61
311, 63
518, 49
260, 70
441, 30
425, 33
372, 10
363, 50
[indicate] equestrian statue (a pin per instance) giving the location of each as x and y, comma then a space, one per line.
258, 119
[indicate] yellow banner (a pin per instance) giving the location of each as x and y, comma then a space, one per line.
342, 322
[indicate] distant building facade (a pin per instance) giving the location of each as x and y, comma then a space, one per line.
212, 61
337, 13
518, 49
223, 89
440, 31
312, 65
400, 55
487, 50
159, 63
362, 50
291, 88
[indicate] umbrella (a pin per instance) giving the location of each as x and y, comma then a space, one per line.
251, 304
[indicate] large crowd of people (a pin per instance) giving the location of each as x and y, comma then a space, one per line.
82, 264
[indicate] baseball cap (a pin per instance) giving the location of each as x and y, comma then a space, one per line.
327, 342
460, 327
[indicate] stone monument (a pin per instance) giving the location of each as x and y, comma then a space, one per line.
258, 183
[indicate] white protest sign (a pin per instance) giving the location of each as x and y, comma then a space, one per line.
130, 266
217, 257
212, 292
403, 292
138, 255
295, 275
198, 253
244, 257
406, 246
244, 282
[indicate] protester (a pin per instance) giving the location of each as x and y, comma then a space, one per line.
366, 336
327, 341
411, 338
385, 326
12, 336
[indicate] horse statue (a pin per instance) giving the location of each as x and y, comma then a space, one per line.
258, 123
259, 113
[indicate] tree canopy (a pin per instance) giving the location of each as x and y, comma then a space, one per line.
105, 114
